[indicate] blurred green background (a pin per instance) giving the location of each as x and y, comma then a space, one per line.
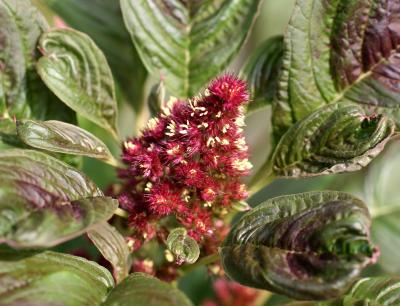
378, 184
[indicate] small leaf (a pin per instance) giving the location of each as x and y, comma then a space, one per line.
184, 247
188, 43
57, 136
306, 246
338, 50
75, 69
262, 72
50, 278
22, 92
102, 21
44, 202
156, 98
113, 247
335, 138
142, 289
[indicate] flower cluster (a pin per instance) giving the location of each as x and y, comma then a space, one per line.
188, 162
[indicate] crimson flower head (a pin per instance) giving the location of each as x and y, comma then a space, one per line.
188, 161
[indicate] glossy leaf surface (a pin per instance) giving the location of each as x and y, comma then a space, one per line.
76, 70
336, 138
339, 50
142, 289
102, 21
188, 42
113, 247
61, 137
262, 72
50, 278
184, 247
306, 246
43, 201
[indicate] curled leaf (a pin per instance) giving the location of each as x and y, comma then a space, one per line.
189, 42
61, 137
44, 202
49, 278
338, 50
76, 70
335, 138
113, 247
143, 289
184, 247
262, 72
156, 98
306, 246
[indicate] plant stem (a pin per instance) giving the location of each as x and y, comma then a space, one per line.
122, 213
262, 178
202, 262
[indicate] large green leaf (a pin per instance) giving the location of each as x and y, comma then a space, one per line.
51, 278
22, 92
142, 289
381, 191
76, 70
61, 137
262, 72
189, 42
43, 201
102, 21
113, 247
306, 246
339, 50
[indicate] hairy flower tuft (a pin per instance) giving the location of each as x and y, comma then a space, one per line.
188, 162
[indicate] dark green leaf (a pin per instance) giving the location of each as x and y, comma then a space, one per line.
22, 92
188, 42
51, 278
156, 98
57, 136
142, 289
336, 138
43, 201
182, 246
306, 246
102, 21
339, 50
262, 72
76, 70
113, 247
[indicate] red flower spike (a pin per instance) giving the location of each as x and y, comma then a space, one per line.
188, 162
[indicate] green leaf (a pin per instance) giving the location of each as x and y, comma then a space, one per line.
44, 202
188, 42
102, 21
142, 289
156, 98
51, 278
381, 192
262, 72
76, 70
306, 246
338, 50
182, 246
113, 247
22, 92
61, 137
336, 138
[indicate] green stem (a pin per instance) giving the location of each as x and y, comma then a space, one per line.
262, 178
122, 213
202, 262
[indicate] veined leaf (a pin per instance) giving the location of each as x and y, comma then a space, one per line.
61, 137
306, 246
339, 50
43, 201
76, 70
336, 138
50, 278
184, 247
262, 73
142, 289
22, 92
188, 42
113, 247
102, 21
